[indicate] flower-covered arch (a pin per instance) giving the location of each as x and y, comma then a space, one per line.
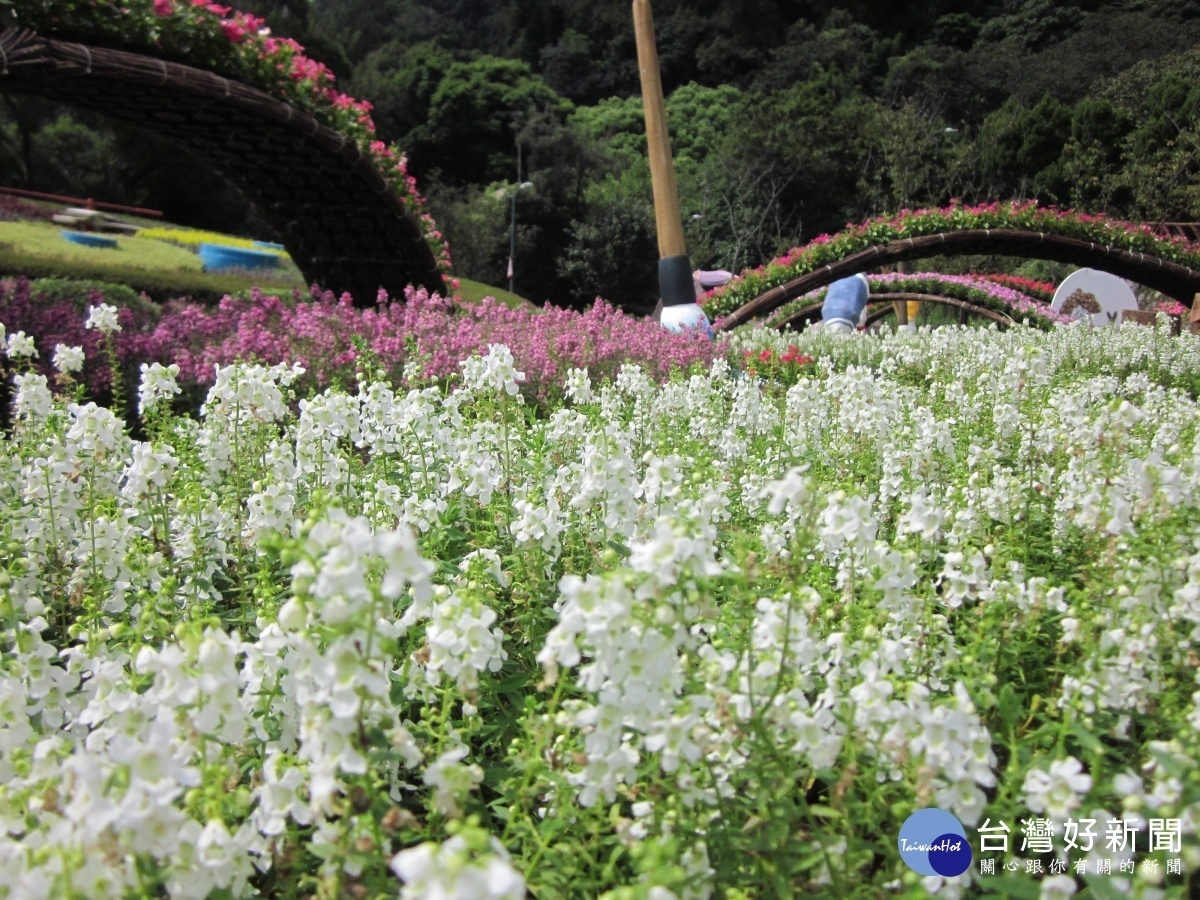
268, 117
1027, 230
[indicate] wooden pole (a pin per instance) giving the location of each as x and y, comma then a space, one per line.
674, 268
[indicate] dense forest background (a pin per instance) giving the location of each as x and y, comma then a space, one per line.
788, 119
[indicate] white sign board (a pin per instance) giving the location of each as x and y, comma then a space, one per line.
1098, 296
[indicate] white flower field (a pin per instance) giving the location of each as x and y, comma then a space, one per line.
717, 637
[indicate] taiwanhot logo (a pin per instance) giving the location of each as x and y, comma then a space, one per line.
933, 842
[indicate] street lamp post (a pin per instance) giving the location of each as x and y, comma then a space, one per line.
512, 234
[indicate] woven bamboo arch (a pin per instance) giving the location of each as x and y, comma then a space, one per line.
342, 223
1172, 279
881, 306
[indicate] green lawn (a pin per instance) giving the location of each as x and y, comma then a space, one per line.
161, 269
473, 291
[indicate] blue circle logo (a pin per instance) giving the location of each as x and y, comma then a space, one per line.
933, 842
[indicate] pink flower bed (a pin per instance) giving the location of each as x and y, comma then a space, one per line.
328, 336
1172, 308
332, 339
1038, 290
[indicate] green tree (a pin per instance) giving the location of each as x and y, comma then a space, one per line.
400, 81
75, 157
909, 144
700, 119
1092, 158
1160, 155
475, 221
1021, 150
612, 251
616, 123
474, 117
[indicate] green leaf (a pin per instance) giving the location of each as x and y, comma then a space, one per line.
617, 547
827, 812
1088, 740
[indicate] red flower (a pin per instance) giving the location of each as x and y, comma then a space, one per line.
235, 32
163, 8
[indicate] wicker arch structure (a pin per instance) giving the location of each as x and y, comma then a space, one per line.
880, 307
343, 224
1170, 278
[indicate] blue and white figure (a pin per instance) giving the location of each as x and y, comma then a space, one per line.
845, 304
933, 842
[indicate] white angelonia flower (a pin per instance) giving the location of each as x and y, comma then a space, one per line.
94, 428
404, 564
452, 781
922, 518
149, 468
450, 871
538, 524
68, 359
1057, 792
157, 383
462, 640
670, 555
279, 798
221, 860
248, 393
34, 401
485, 561
847, 525
21, 346
578, 386
493, 373
103, 318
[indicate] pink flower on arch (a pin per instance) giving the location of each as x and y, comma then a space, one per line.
235, 32
163, 8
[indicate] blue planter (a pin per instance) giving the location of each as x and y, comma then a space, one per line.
268, 245
217, 258
90, 240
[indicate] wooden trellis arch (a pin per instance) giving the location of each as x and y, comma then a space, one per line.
346, 228
1170, 278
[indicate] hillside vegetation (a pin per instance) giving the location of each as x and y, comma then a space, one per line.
788, 120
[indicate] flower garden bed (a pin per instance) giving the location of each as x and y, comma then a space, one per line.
416, 339
713, 636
